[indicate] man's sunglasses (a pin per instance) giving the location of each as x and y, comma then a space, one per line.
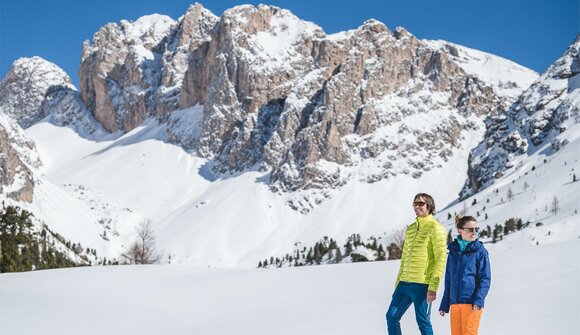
471, 230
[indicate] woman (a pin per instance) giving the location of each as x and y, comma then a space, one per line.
467, 278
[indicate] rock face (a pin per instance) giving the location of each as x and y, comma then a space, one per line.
134, 70
64, 108
258, 88
17, 154
538, 117
24, 87
279, 94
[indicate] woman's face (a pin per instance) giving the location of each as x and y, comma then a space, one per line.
469, 231
420, 207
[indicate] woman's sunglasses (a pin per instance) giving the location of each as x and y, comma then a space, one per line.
419, 203
471, 230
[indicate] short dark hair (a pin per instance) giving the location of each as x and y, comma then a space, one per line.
460, 221
428, 200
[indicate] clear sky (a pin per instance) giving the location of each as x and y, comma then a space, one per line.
533, 33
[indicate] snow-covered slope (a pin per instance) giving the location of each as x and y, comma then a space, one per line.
198, 218
543, 120
534, 184
534, 291
508, 79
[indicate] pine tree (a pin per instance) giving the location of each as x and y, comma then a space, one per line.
317, 256
348, 248
555, 206
381, 253
496, 233
449, 237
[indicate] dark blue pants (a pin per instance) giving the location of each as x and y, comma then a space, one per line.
405, 294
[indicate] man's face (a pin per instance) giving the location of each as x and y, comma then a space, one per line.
420, 207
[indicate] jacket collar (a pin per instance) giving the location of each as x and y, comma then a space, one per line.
424, 219
473, 246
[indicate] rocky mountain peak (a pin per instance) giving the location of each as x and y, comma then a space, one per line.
24, 87
134, 70
148, 30
194, 26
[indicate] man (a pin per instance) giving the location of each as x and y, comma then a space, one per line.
422, 267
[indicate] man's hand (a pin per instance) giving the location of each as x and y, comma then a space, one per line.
442, 313
476, 308
431, 296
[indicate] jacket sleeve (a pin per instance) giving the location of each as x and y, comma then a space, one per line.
402, 254
445, 300
438, 240
483, 282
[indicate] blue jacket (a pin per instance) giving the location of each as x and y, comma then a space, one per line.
467, 275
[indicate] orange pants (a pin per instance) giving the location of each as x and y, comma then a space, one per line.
464, 320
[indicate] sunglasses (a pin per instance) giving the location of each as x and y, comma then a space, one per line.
419, 203
471, 230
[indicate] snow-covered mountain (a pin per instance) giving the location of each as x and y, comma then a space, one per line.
543, 120
25, 85
243, 136
266, 90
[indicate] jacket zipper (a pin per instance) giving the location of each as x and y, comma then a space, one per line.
459, 278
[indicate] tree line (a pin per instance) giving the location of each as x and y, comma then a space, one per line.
24, 248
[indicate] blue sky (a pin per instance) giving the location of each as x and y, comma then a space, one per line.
532, 33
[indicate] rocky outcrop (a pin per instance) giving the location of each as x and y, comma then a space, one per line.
16, 178
64, 108
315, 103
134, 70
24, 88
538, 117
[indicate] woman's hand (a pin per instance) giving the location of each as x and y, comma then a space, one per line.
442, 313
476, 308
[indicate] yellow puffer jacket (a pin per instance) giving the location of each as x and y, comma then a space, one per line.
424, 253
